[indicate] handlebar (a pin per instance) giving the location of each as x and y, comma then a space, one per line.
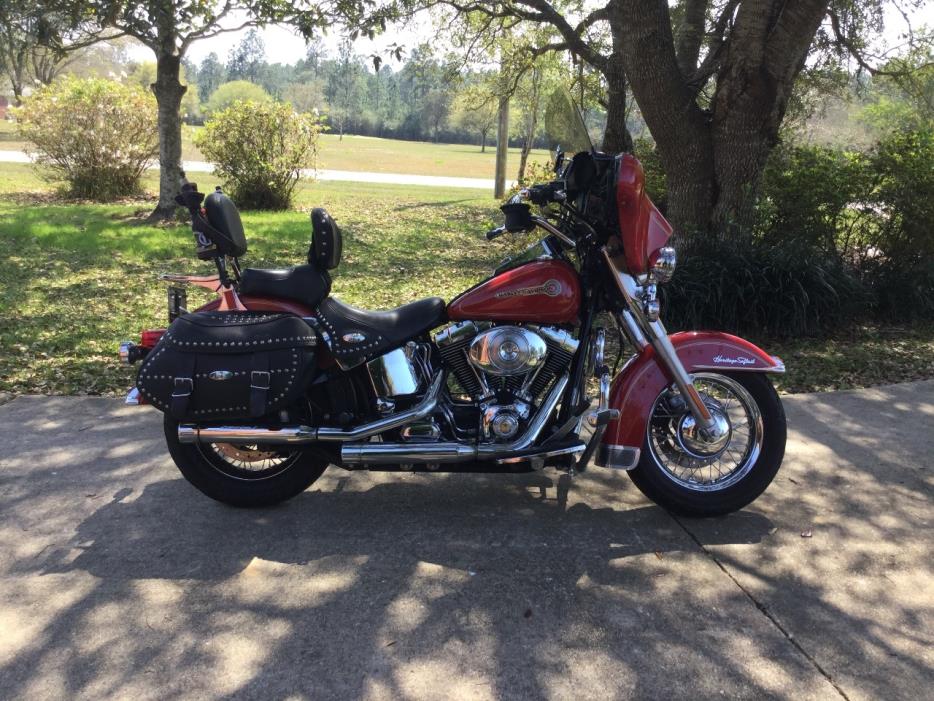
519, 216
547, 193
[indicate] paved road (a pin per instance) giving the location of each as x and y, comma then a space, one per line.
341, 175
118, 580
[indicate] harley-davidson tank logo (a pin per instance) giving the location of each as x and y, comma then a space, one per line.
353, 337
738, 360
552, 288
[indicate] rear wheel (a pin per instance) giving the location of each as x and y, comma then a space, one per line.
684, 472
244, 475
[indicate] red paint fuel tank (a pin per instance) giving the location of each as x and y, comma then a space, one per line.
544, 291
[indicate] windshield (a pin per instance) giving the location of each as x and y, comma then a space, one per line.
564, 126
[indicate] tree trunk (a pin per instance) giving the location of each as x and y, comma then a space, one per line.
524, 157
754, 84
502, 145
482, 142
531, 124
616, 138
680, 129
169, 92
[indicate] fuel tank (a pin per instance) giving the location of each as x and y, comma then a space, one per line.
545, 291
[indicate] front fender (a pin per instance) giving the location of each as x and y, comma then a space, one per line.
643, 378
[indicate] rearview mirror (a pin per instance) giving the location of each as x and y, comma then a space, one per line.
559, 160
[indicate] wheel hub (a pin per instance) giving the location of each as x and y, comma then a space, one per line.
701, 444
244, 453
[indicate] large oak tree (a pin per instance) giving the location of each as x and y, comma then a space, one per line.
712, 78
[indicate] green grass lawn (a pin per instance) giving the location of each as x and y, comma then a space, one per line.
366, 153
75, 279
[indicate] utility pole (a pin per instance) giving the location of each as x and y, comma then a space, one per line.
502, 144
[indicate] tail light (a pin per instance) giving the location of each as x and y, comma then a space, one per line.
131, 353
150, 337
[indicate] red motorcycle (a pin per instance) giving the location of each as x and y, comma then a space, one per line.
268, 385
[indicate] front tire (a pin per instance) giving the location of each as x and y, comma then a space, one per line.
676, 472
244, 476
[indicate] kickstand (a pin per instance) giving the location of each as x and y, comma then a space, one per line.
564, 486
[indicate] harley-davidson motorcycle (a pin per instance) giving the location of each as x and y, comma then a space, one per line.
276, 379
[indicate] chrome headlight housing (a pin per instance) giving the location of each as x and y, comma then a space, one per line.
664, 263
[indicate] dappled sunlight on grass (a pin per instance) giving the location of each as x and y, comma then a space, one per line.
76, 278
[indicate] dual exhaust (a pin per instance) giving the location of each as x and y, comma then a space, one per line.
370, 453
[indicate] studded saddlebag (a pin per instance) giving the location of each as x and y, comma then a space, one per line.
228, 365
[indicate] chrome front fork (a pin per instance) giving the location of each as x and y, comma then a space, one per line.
641, 333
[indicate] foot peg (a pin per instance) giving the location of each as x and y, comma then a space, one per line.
602, 417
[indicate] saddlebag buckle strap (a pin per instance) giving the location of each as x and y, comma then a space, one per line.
180, 384
265, 379
184, 386
260, 381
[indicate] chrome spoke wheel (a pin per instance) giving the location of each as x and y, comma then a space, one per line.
247, 462
706, 462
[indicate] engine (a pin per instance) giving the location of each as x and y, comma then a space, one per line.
504, 369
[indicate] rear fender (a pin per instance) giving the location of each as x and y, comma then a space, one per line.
636, 387
265, 304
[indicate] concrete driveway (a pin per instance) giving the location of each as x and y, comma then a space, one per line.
118, 580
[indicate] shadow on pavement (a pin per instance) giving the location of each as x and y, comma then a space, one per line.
125, 581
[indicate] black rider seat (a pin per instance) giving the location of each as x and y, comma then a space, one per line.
357, 335
303, 283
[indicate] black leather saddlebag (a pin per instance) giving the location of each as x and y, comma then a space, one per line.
228, 365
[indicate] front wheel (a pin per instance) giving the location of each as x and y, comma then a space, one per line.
244, 475
688, 474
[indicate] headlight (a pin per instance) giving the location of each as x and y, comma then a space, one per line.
663, 264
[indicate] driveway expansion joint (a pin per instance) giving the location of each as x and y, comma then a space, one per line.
764, 610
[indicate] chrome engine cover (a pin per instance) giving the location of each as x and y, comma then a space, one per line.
507, 350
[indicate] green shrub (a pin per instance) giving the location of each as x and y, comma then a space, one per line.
815, 199
97, 135
234, 91
899, 265
259, 151
757, 289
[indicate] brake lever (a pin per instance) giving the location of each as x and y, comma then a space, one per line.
495, 233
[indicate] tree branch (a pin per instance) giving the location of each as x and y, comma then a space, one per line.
571, 35
854, 51
718, 42
690, 35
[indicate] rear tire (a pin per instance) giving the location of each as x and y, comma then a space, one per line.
263, 482
694, 492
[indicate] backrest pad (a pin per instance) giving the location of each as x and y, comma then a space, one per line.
326, 243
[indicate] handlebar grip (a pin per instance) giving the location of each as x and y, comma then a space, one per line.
495, 233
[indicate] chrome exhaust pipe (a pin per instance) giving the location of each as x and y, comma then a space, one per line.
392, 453
249, 435
297, 435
